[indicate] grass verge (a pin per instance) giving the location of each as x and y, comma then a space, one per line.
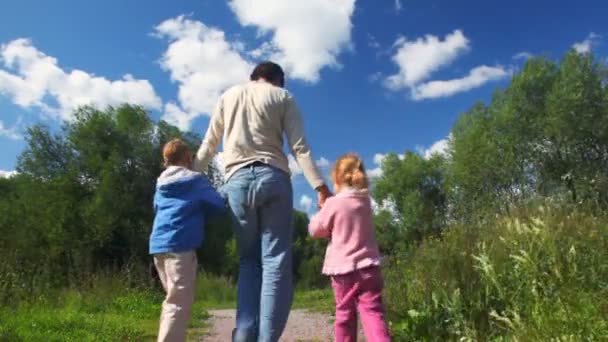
106, 312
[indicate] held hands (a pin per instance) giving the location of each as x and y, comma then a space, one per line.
323, 194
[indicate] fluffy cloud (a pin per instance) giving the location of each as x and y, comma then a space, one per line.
388, 206
10, 133
524, 55
305, 203
586, 45
302, 47
7, 174
438, 147
203, 63
418, 59
476, 78
322, 163
376, 172
30, 78
296, 170
293, 166
176, 116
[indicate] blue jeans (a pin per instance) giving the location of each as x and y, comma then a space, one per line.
261, 200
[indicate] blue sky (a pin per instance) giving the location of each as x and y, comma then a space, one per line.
370, 76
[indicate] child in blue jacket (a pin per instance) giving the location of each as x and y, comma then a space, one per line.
184, 199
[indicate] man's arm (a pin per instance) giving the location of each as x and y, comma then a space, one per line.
212, 139
294, 129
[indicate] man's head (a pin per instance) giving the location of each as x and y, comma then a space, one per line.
177, 153
269, 71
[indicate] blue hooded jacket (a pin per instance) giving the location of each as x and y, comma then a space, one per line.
183, 200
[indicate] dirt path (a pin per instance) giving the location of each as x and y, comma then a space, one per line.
301, 326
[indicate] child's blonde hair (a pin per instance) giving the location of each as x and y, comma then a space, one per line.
176, 152
349, 171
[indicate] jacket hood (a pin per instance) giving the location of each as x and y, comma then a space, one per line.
175, 180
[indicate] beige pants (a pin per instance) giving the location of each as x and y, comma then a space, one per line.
177, 272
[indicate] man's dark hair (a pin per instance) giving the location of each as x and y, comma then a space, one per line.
271, 72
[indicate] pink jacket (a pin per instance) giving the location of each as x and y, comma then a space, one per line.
346, 220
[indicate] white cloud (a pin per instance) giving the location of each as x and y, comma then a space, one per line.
379, 158
305, 203
377, 171
476, 78
386, 205
418, 59
203, 63
7, 174
30, 78
265, 50
174, 115
10, 133
322, 163
586, 45
306, 35
438, 147
524, 55
293, 166
296, 170
398, 5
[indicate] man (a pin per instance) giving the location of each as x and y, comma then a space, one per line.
252, 118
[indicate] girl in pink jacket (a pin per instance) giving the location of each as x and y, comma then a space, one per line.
352, 258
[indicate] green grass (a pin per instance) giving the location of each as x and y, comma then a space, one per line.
110, 311
214, 292
319, 300
106, 312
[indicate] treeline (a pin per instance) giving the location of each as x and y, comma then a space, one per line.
81, 206
505, 234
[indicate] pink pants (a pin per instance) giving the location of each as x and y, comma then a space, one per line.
361, 289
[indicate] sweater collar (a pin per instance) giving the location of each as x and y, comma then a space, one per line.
352, 192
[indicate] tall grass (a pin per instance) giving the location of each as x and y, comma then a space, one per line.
539, 274
215, 292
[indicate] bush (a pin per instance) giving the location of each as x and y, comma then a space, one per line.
538, 275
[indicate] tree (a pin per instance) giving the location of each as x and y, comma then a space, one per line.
416, 186
576, 131
82, 201
545, 135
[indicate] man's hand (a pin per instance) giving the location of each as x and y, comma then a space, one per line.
323, 194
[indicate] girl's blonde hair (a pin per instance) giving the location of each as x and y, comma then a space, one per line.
350, 172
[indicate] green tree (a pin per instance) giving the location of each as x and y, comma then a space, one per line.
82, 201
416, 187
576, 131
544, 135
